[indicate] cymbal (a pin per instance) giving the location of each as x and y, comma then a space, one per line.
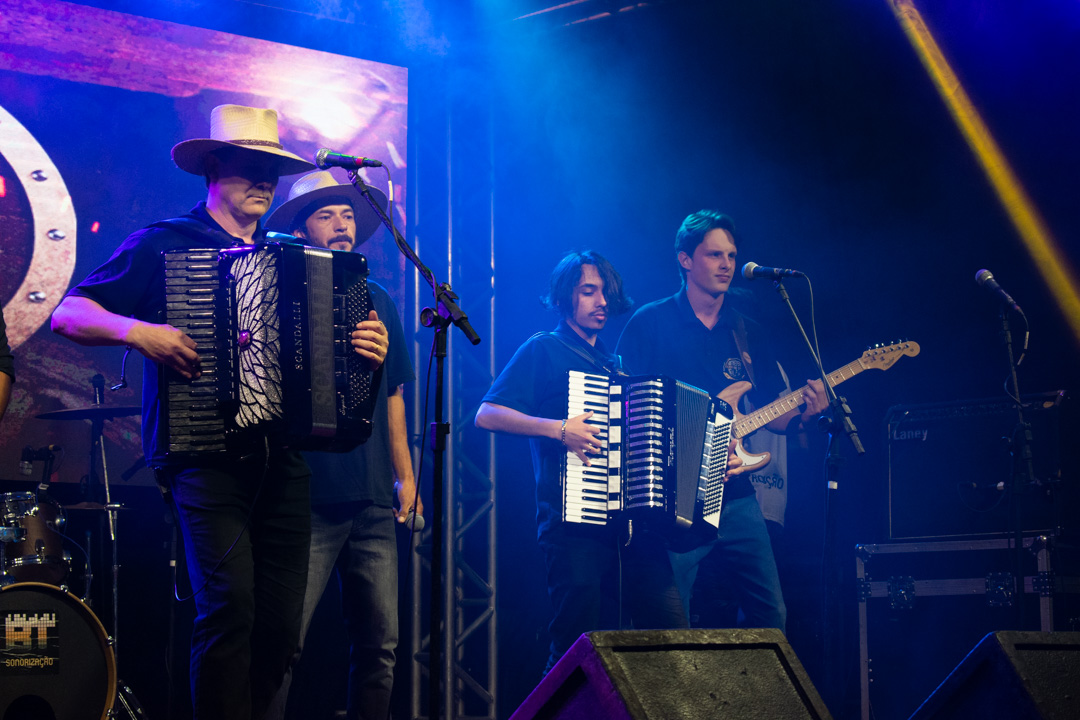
94, 506
93, 412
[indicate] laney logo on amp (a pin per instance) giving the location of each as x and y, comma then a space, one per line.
30, 644
919, 434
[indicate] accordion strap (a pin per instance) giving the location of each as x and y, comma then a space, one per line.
195, 229
200, 231
615, 369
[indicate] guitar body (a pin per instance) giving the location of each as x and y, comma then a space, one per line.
732, 394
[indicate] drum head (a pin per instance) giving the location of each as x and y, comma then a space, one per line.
14, 505
54, 655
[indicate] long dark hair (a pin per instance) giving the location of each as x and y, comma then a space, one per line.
565, 277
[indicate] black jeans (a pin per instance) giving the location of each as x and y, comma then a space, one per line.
249, 596
596, 583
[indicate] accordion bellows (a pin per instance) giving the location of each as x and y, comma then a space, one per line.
664, 445
272, 324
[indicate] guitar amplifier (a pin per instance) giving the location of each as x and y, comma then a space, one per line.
951, 468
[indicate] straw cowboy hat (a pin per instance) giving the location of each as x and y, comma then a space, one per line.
319, 189
250, 128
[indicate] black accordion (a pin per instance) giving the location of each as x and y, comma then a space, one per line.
272, 324
664, 446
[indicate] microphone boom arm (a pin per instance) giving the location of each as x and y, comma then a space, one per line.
444, 296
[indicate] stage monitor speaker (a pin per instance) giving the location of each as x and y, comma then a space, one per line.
675, 675
950, 468
1017, 675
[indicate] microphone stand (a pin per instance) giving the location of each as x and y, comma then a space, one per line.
446, 311
840, 421
1023, 474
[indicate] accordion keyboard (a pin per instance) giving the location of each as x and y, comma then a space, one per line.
590, 492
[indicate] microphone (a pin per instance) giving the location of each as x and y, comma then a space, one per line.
30, 456
26, 462
985, 278
411, 517
752, 270
326, 159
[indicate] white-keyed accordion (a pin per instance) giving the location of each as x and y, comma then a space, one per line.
272, 324
664, 445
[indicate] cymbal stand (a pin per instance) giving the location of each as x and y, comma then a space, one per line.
97, 448
125, 696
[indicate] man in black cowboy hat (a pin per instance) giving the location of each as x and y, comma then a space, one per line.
245, 522
352, 494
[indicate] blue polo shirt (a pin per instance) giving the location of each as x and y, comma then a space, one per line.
534, 382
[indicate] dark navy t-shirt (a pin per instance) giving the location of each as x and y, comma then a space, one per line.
666, 338
534, 382
366, 474
131, 283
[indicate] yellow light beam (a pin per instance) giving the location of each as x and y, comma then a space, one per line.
1052, 264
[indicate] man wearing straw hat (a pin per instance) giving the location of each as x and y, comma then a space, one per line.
245, 521
352, 494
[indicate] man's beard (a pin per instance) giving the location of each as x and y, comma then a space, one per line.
342, 238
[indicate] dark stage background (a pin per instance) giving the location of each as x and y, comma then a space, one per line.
813, 124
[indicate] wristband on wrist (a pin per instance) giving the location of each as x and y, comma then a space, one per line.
563, 432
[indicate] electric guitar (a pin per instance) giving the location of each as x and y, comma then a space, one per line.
877, 358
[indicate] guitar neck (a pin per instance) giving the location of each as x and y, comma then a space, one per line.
781, 406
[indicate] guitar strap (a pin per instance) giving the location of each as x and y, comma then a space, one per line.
739, 332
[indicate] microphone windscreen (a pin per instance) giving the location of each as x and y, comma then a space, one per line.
411, 518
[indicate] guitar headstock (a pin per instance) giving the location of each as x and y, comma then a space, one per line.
882, 357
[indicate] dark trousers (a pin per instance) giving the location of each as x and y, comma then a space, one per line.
596, 583
246, 541
357, 542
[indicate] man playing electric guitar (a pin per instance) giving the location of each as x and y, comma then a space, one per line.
695, 337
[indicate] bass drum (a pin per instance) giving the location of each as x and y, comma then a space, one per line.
55, 659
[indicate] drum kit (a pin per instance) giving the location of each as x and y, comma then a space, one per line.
56, 660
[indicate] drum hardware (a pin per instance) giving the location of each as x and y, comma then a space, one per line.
98, 414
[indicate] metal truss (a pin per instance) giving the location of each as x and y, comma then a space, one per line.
468, 665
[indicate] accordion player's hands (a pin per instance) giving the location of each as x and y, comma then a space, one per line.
581, 437
167, 346
371, 341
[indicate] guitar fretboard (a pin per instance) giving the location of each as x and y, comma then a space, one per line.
762, 417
